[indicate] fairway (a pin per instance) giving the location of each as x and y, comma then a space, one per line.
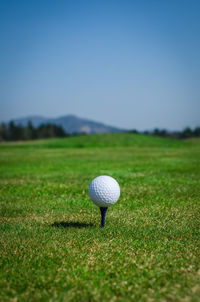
51, 245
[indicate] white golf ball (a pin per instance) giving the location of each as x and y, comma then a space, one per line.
104, 191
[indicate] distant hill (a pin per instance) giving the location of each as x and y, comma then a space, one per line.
70, 123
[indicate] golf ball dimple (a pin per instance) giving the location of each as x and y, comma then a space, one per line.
104, 191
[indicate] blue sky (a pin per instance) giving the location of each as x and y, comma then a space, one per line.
132, 64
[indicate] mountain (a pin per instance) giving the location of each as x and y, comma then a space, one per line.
70, 123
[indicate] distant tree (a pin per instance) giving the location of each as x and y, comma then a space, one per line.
133, 131
15, 132
32, 132
50, 131
156, 132
164, 133
187, 132
196, 132
43, 131
29, 132
12, 132
60, 132
4, 134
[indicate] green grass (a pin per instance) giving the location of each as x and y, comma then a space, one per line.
51, 245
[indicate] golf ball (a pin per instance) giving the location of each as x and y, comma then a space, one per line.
104, 191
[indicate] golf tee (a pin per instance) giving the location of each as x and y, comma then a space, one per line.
103, 214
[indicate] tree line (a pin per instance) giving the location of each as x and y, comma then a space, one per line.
186, 133
13, 132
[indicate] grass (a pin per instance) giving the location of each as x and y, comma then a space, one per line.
51, 246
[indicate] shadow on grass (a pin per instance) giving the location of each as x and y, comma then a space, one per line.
71, 224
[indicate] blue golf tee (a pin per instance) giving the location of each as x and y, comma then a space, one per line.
103, 214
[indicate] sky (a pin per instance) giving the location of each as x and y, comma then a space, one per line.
131, 64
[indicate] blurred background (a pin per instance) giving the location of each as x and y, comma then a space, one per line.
126, 64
